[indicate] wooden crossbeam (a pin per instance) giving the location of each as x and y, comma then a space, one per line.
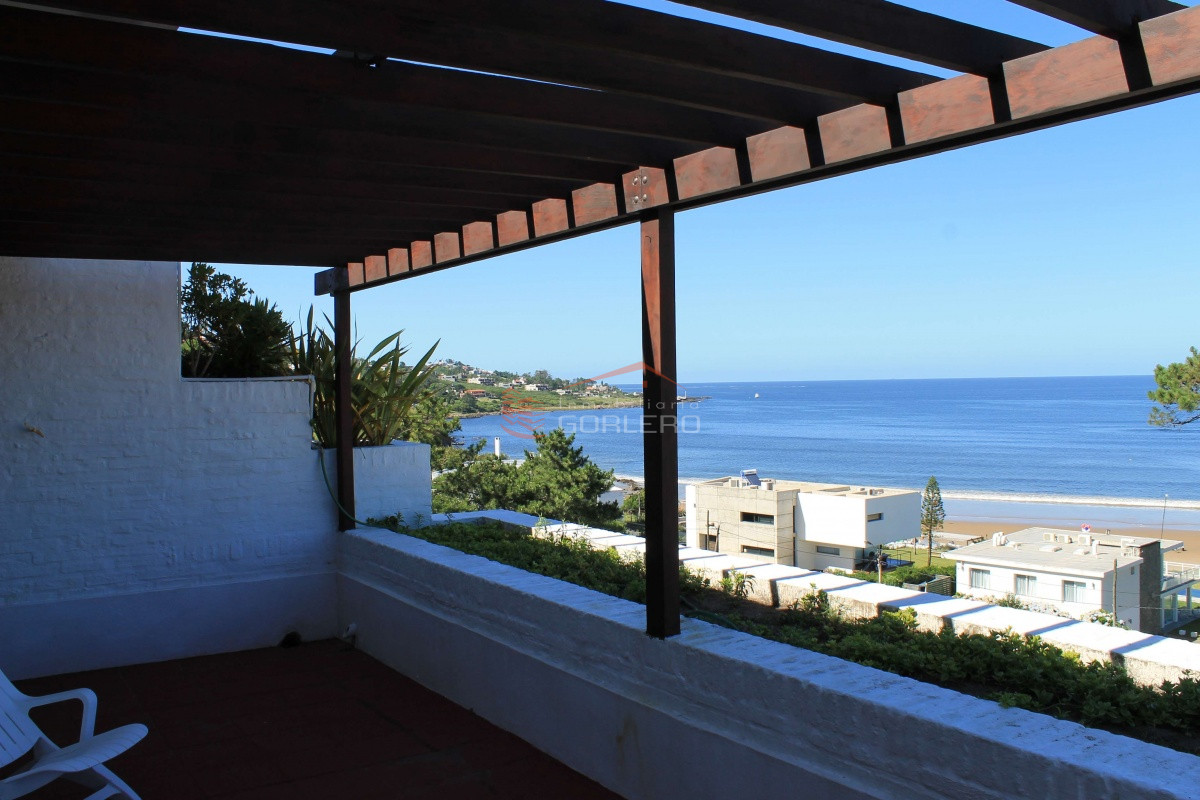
1072, 82
158, 183
169, 71
596, 30
608, 44
1107, 17
38, 127
885, 27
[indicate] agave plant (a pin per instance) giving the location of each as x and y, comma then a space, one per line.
383, 390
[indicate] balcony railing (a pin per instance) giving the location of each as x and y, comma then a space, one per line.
1178, 574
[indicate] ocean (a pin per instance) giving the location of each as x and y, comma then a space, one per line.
1001, 448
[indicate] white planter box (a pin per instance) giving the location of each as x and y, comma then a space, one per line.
394, 479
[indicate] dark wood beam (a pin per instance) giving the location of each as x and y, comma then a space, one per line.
294, 86
216, 204
609, 42
659, 423
885, 27
207, 248
343, 410
1107, 17
47, 128
598, 30
1076, 81
183, 180
197, 100
269, 150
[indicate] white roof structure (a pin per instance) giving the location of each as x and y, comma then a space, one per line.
1058, 550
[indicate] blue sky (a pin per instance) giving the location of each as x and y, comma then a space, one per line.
1070, 251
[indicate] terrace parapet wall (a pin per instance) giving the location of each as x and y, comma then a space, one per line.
1149, 659
711, 711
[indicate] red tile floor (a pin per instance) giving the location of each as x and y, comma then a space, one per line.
314, 721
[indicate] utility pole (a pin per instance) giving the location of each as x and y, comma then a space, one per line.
1162, 525
1116, 574
879, 562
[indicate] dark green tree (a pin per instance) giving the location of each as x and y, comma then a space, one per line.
226, 332
933, 513
558, 481
1178, 392
474, 480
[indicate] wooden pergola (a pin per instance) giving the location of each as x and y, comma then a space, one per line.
424, 135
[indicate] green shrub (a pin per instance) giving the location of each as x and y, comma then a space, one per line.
383, 389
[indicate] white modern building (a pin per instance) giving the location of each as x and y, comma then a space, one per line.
799, 523
1076, 573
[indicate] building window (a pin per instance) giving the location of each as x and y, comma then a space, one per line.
874, 517
1026, 585
1073, 591
708, 541
758, 551
981, 579
761, 519
829, 551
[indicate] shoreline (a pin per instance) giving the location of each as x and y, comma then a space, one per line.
637, 403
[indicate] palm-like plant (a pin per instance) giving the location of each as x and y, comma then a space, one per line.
383, 390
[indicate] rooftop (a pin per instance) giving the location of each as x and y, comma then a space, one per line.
1061, 550
317, 720
807, 487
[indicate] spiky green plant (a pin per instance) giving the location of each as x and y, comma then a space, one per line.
383, 390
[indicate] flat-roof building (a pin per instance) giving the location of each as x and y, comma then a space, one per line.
799, 523
1076, 573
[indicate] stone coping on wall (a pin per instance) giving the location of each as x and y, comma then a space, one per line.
1149, 659
571, 671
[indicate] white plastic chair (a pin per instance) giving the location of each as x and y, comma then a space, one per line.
82, 762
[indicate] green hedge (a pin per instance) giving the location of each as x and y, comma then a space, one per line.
1014, 670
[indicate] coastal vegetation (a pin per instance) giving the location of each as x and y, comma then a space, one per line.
908, 574
384, 391
1014, 670
226, 332
933, 514
1178, 392
473, 391
556, 481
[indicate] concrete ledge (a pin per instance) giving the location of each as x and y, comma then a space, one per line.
1148, 659
711, 712
111, 631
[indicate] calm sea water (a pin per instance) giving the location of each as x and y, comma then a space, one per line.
987, 440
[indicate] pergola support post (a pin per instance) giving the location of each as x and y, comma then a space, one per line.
343, 410
659, 425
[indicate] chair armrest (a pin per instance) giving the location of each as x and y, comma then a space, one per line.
85, 696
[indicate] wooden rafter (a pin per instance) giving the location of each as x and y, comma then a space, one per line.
1107, 17
1075, 81
540, 39
123, 141
887, 28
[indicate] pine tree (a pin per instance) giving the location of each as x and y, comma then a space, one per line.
1178, 392
933, 513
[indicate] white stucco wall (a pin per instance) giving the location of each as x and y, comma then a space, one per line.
395, 479
147, 517
712, 713
1097, 593
841, 520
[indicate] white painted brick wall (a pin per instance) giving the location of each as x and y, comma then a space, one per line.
141, 480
